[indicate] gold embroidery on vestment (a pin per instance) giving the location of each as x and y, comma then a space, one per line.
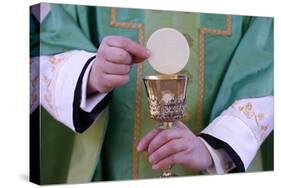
202, 34
137, 123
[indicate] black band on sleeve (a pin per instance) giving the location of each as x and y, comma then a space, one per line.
218, 144
81, 119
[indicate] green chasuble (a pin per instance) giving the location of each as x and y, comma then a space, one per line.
231, 58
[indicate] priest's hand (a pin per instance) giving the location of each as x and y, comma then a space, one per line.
177, 145
114, 60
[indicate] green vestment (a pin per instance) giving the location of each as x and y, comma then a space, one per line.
231, 58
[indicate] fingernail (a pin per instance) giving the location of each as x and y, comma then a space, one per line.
139, 147
147, 54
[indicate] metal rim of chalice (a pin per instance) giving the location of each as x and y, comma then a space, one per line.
165, 77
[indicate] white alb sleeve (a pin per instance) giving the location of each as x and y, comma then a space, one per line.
243, 126
222, 163
58, 76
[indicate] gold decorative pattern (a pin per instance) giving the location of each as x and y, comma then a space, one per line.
249, 113
48, 93
167, 111
34, 85
202, 34
49, 78
55, 59
260, 116
137, 123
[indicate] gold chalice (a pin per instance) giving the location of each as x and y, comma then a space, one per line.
166, 98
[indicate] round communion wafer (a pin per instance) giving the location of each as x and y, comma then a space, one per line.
169, 51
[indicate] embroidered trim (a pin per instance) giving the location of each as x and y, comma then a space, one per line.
248, 111
137, 123
34, 85
246, 123
49, 78
202, 32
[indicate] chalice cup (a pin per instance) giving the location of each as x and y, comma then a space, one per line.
166, 99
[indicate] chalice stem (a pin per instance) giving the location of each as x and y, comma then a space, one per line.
166, 125
166, 173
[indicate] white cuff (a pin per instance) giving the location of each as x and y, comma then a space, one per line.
59, 76
244, 126
222, 162
89, 102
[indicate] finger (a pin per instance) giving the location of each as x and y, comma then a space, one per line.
177, 158
137, 60
117, 69
180, 124
143, 144
111, 81
117, 55
172, 147
132, 47
164, 137
184, 129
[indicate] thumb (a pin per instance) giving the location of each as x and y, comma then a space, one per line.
181, 125
137, 60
